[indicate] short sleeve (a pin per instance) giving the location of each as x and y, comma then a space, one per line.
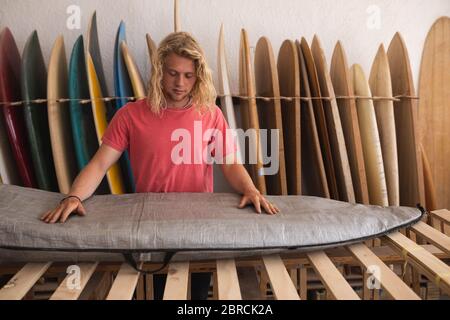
117, 133
224, 138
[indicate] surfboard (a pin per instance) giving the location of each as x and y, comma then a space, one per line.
373, 157
151, 47
405, 111
59, 118
249, 114
8, 169
429, 186
176, 16
227, 107
381, 86
113, 175
314, 179
304, 224
434, 115
289, 80
13, 115
133, 71
341, 80
269, 113
226, 101
34, 86
81, 117
123, 89
224, 84
333, 119
93, 47
320, 119
101, 110
122, 82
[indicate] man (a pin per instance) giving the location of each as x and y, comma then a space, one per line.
181, 96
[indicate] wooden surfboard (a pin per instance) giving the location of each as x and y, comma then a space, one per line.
320, 119
341, 79
373, 156
381, 86
133, 72
434, 107
289, 79
152, 50
13, 115
34, 86
249, 114
123, 88
113, 175
176, 16
82, 119
333, 119
102, 111
405, 111
269, 112
314, 178
59, 118
429, 187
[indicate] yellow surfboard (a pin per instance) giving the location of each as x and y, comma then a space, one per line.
99, 111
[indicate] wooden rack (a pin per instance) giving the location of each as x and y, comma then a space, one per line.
421, 254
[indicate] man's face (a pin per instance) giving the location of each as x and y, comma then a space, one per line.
179, 78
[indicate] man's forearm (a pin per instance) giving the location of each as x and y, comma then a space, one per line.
238, 177
87, 181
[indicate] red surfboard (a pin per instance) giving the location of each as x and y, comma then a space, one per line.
13, 115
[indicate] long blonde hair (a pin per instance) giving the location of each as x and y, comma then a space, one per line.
183, 44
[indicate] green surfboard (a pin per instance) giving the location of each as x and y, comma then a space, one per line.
34, 86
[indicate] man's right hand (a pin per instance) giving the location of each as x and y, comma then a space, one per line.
64, 210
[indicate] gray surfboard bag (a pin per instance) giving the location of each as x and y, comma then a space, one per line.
155, 226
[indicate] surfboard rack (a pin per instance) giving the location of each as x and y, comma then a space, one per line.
265, 98
413, 264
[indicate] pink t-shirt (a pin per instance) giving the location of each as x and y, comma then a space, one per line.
169, 153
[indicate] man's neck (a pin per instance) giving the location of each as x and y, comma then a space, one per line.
179, 104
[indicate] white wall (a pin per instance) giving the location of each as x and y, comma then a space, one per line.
331, 20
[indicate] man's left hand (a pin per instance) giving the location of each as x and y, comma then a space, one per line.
253, 196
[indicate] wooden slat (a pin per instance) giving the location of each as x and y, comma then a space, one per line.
330, 276
23, 281
281, 282
66, 292
433, 236
393, 285
177, 282
227, 280
124, 283
443, 215
433, 268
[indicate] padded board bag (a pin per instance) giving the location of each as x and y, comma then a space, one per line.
184, 226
